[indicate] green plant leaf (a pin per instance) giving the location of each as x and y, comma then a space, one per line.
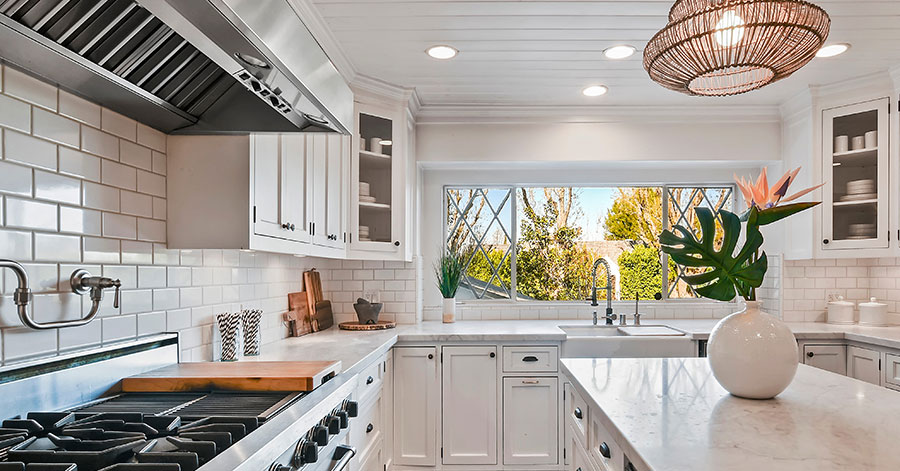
449, 272
770, 215
728, 274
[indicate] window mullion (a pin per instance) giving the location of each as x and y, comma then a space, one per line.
514, 238
665, 256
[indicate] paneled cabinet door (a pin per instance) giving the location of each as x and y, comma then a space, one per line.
579, 460
294, 188
530, 421
266, 166
334, 190
855, 170
827, 357
317, 158
416, 406
864, 364
470, 412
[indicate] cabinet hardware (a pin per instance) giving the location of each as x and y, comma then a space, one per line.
810, 354
604, 450
531, 381
397, 243
254, 214
826, 241
369, 428
293, 227
578, 414
370, 380
530, 359
493, 354
430, 356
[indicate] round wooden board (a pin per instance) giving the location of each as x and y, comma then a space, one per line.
381, 325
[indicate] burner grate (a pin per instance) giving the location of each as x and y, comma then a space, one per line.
193, 406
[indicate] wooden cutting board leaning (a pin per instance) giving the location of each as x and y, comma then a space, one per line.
319, 308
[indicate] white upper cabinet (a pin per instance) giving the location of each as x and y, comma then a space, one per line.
380, 203
267, 186
856, 196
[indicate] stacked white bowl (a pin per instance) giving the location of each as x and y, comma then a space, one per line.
861, 231
364, 233
860, 190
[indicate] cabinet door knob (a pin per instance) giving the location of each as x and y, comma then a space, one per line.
293, 227
493, 354
369, 428
604, 450
430, 356
578, 414
285, 226
370, 380
826, 241
810, 354
397, 243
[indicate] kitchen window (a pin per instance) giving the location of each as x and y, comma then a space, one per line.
535, 243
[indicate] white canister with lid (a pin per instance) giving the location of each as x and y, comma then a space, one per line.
840, 311
873, 313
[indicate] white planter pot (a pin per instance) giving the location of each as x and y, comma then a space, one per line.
449, 310
752, 354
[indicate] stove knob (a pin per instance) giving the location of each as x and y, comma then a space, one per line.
279, 467
352, 408
305, 452
334, 424
320, 435
344, 418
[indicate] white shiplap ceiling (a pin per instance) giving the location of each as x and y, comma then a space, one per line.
523, 52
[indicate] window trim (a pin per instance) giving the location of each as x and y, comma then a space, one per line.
737, 201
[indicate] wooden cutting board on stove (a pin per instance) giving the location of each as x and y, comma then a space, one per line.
235, 376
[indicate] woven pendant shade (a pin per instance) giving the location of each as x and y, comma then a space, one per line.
727, 47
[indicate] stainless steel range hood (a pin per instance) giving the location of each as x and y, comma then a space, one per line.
183, 66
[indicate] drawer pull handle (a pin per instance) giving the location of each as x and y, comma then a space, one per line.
578, 414
370, 380
530, 381
369, 428
810, 354
604, 450
530, 359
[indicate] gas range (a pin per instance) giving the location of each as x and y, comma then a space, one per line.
165, 431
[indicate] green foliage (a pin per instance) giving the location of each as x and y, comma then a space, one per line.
551, 265
641, 273
770, 215
727, 274
636, 214
480, 267
449, 273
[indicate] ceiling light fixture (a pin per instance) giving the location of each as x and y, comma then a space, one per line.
619, 52
832, 50
595, 90
442, 52
727, 47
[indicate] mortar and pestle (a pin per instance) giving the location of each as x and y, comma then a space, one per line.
367, 312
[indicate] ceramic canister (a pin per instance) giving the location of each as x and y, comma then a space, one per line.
840, 311
375, 145
841, 144
871, 139
857, 143
873, 313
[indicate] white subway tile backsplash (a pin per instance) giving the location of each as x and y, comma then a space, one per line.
135, 155
100, 196
42, 278
29, 214
119, 226
15, 245
165, 299
136, 204
151, 230
56, 128
28, 150
137, 252
25, 87
152, 277
159, 208
125, 273
53, 187
151, 323
22, 343
164, 256
79, 164
115, 174
79, 109
99, 143
99, 250
79, 337
15, 114
159, 163
151, 183
191, 297
149, 137
119, 328
115, 123
57, 307
15, 179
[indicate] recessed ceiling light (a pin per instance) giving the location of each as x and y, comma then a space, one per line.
595, 90
832, 50
619, 52
442, 52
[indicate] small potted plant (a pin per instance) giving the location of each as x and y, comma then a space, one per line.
449, 273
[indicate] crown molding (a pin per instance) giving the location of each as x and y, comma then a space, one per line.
375, 90
509, 114
325, 37
799, 106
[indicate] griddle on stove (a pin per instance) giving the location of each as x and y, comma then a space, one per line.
136, 431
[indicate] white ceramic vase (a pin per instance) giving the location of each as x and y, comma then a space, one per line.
449, 310
752, 354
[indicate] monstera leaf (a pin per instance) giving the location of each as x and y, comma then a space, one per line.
728, 274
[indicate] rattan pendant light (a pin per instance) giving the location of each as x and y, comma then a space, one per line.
727, 47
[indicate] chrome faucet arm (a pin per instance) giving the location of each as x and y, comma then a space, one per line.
22, 295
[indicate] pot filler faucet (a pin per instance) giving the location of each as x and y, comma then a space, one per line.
81, 282
610, 317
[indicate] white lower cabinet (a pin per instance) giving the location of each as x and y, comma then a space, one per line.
580, 460
469, 413
827, 357
530, 421
416, 406
864, 364
892, 370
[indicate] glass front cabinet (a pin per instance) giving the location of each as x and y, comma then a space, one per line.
378, 183
856, 195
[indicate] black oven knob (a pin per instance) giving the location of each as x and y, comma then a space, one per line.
279, 467
305, 452
344, 418
334, 424
352, 408
320, 435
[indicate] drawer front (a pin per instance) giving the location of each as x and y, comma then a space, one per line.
892, 370
370, 380
373, 460
576, 412
602, 446
367, 429
538, 359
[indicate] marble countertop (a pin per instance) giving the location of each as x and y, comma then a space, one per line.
357, 349
672, 415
